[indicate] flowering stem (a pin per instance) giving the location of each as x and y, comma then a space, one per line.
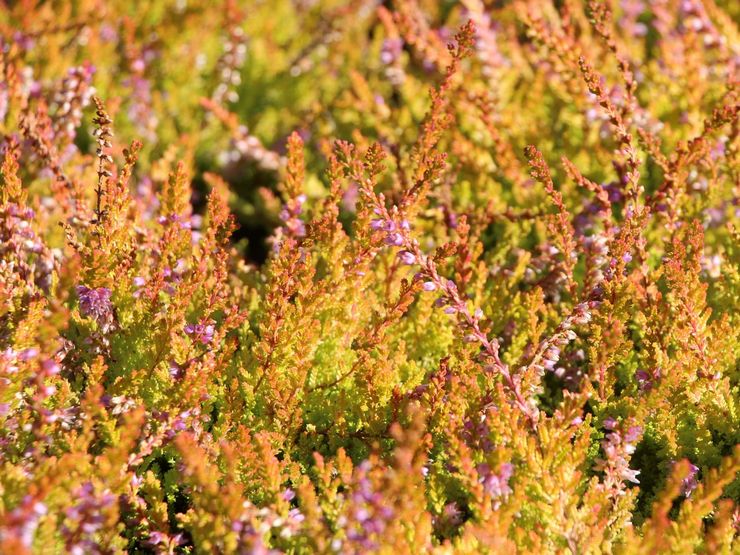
397, 234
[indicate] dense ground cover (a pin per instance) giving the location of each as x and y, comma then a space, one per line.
351, 276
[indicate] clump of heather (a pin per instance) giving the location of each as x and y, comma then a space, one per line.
404, 276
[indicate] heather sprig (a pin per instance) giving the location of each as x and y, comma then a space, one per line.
103, 134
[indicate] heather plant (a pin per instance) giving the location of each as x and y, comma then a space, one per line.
369, 277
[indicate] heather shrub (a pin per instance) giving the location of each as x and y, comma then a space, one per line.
369, 277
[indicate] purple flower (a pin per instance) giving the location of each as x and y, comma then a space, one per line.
440, 302
202, 333
429, 286
644, 380
95, 304
156, 537
139, 283
370, 512
296, 515
50, 367
394, 239
496, 485
349, 199
391, 50
177, 371
296, 227
632, 434
377, 224
452, 513
551, 357
477, 434
690, 483
85, 518
28, 354
20, 524
407, 257
618, 446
